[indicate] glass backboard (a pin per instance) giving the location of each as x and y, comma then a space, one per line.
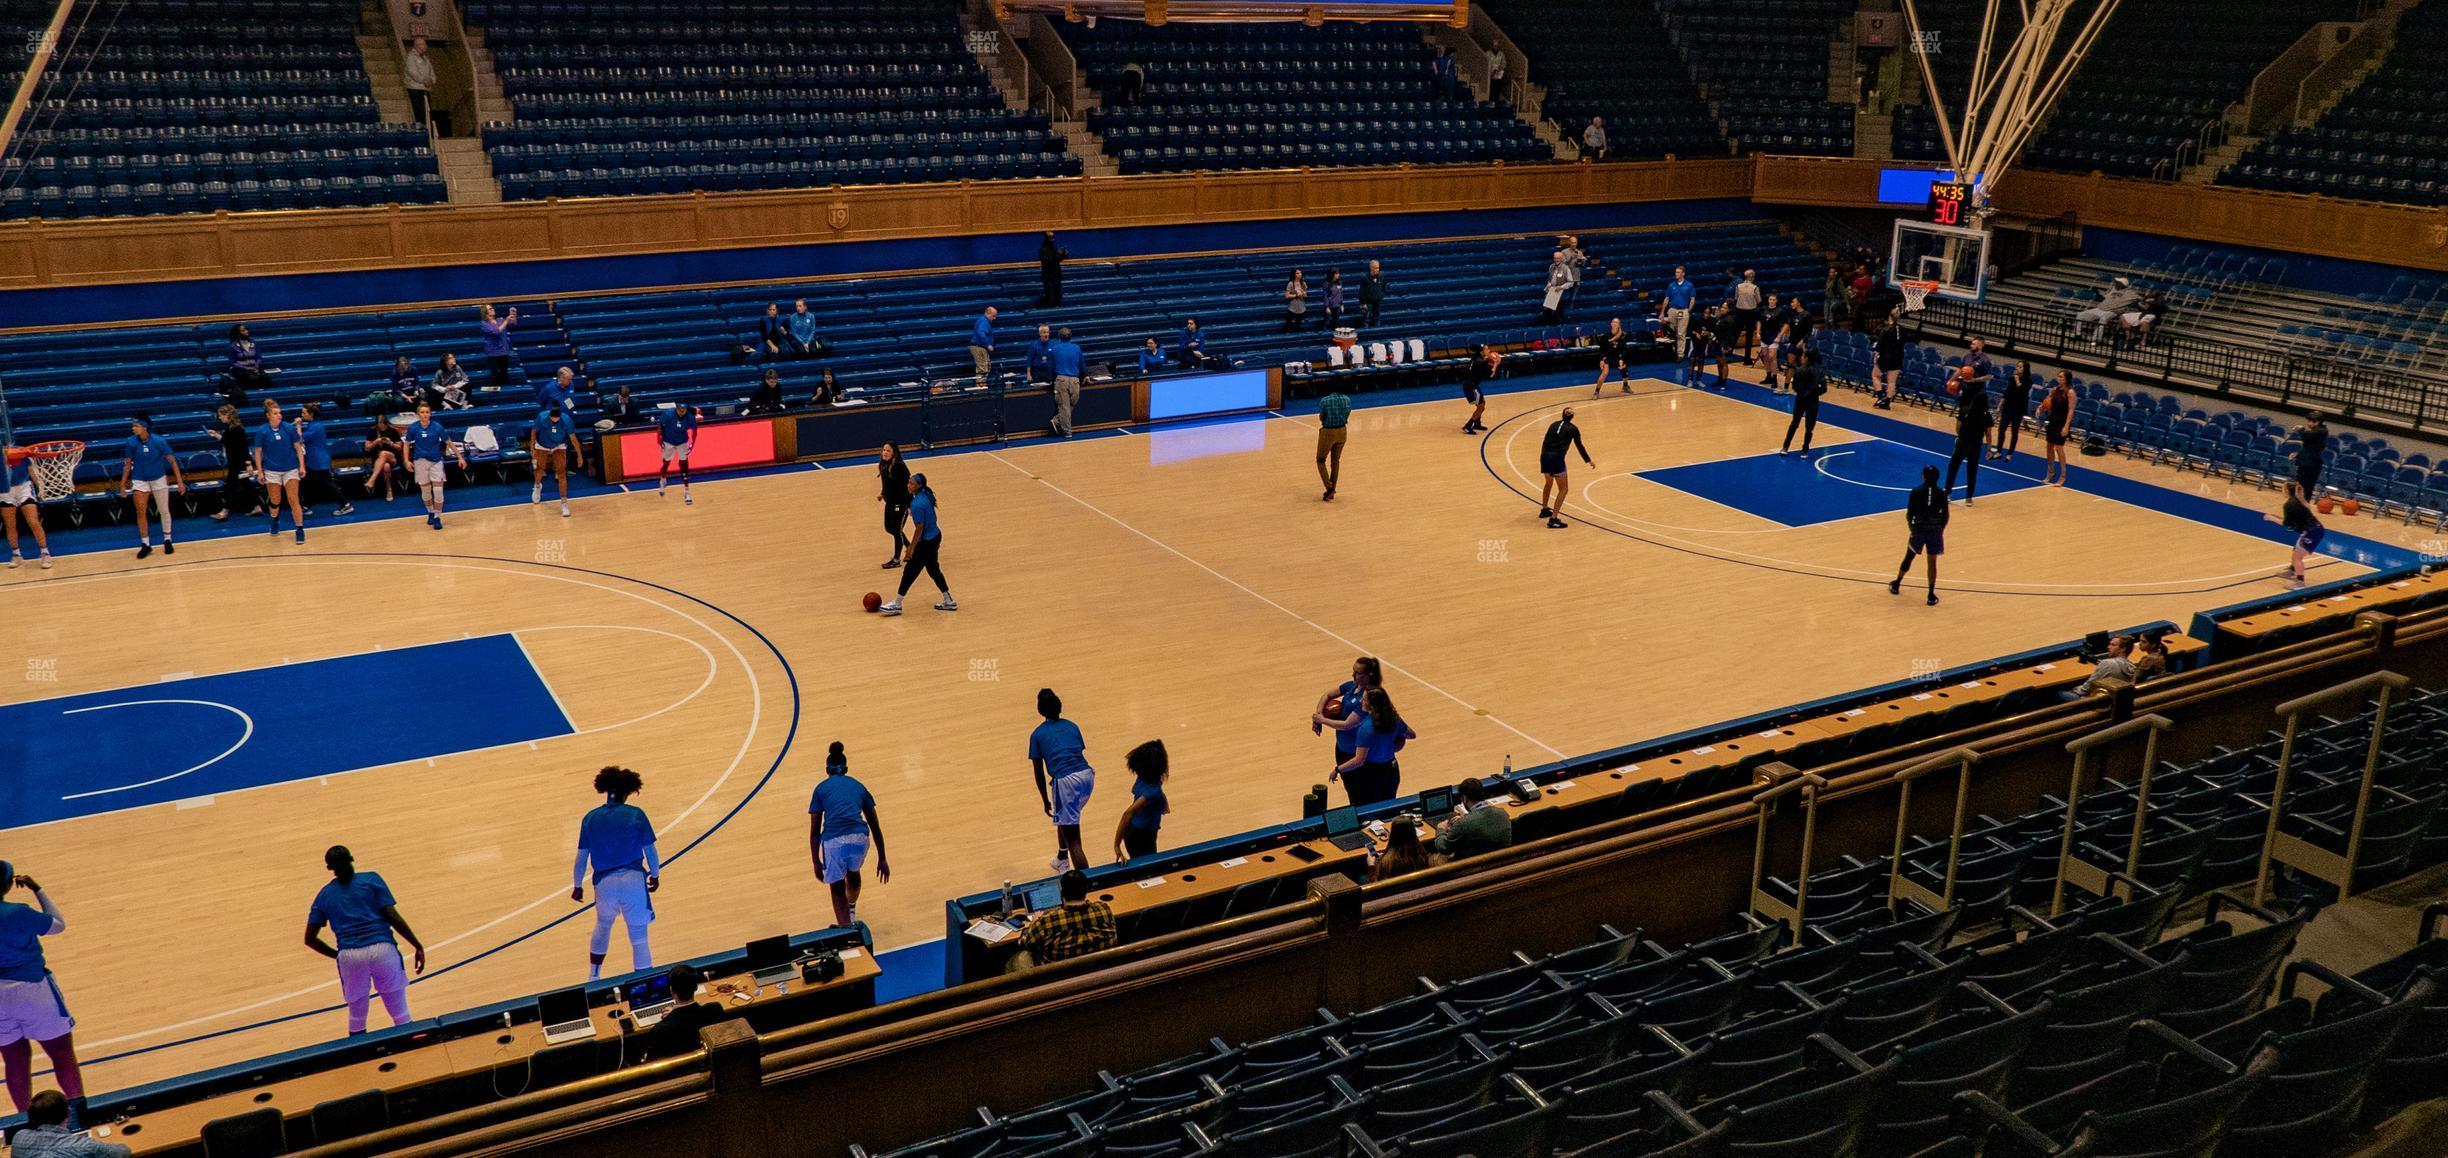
1955, 257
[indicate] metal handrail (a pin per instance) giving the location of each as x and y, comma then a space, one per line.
1937, 761
2081, 747
2395, 683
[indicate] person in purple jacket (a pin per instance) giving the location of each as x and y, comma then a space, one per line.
497, 342
246, 370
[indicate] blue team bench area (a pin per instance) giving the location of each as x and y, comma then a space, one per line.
196, 736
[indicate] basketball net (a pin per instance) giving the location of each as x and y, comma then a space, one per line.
53, 465
1916, 294
2015, 81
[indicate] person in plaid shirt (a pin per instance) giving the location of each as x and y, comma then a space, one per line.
1334, 416
1080, 926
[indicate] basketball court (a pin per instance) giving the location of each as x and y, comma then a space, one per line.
439, 702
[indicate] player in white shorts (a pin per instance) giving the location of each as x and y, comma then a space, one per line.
429, 442
618, 843
1059, 758
279, 465
17, 503
842, 826
147, 467
359, 908
679, 427
31, 1009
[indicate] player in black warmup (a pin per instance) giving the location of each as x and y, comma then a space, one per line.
1614, 357
1486, 361
1926, 514
1971, 432
1561, 435
1809, 385
2014, 402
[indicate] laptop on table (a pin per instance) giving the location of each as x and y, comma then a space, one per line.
565, 1016
770, 960
1343, 829
649, 999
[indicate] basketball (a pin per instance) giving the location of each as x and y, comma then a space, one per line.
871, 601
2352, 506
2325, 505
1334, 704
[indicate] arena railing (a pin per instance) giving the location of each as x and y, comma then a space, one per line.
2385, 395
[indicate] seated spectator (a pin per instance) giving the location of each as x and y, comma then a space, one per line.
2139, 320
2114, 304
1484, 825
828, 390
2118, 666
1152, 359
386, 455
2150, 656
676, 1034
407, 389
246, 369
772, 332
767, 398
46, 1133
624, 409
1403, 851
1081, 926
1194, 348
1041, 356
450, 385
802, 327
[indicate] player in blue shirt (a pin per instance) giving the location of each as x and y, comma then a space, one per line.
1058, 757
317, 444
429, 443
1675, 307
679, 426
841, 825
147, 467
1344, 701
359, 908
17, 504
618, 843
552, 445
31, 1008
925, 547
279, 464
1135, 834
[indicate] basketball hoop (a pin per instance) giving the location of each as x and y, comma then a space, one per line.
53, 465
1916, 294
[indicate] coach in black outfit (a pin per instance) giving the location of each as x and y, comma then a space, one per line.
1809, 386
1971, 433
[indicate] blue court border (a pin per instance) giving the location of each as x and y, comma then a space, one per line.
788, 737
2377, 556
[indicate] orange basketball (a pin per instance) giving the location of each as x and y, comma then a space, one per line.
2325, 505
2352, 506
871, 601
1334, 704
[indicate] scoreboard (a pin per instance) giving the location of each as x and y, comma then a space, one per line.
1950, 203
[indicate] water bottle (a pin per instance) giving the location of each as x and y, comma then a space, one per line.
1314, 804
1007, 908
1508, 771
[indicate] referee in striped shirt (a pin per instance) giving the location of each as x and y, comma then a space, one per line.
1334, 420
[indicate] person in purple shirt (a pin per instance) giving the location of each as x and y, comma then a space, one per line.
279, 465
246, 370
1334, 299
496, 342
